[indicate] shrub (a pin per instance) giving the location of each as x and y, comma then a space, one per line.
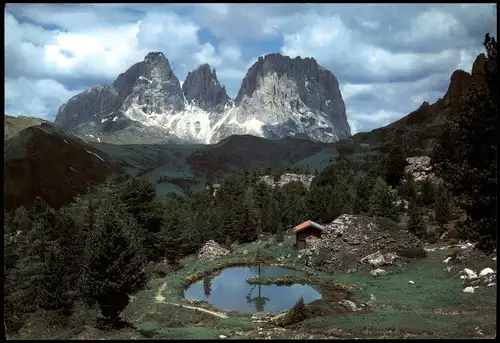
413, 252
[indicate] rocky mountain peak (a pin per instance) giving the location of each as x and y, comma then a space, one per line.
202, 88
280, 97
478, 65
292, 95
459, 81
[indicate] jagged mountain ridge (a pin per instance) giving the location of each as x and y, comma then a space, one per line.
279, 97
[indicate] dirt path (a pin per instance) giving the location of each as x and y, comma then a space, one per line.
159, 298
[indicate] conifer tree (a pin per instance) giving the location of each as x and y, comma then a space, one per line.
381, 200
113, 259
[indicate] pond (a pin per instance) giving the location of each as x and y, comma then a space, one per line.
230, 291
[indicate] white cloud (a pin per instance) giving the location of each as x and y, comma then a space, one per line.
34, 98
388, 58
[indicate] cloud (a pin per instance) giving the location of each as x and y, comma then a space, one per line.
388, 58
34, 98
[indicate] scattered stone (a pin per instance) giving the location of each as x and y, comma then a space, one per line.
468, 290
411, 282
494, 258
419, 167
470, 274
486, 271
349, 305
448, 259
222, 336
449, 269
462, 277
377, 259
491, 284
351, 270
430, 249
211, 250
351, 238
378, 272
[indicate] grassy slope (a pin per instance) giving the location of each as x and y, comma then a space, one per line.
434, 306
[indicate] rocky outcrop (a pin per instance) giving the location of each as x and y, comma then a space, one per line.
420, 168
154, 89
281, 96
87, 106
287, 178
356, 240
202, 88
211, 251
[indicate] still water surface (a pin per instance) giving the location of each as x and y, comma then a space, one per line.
230, 291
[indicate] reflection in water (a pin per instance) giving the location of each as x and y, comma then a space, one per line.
207, 285
229, 290
259, 301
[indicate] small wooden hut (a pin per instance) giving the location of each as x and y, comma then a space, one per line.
306, 233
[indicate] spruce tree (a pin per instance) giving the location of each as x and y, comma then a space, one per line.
392, 164
416, 221
363, 190
427, 192
381, 200
442, 207
113, 259
46, 273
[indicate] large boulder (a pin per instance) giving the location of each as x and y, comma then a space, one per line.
357, 240
420, 168
211, 250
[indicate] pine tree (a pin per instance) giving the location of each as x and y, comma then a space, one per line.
46, 273
392, 164
113, 259
407, 188
442, 209
416, 221
363, 190
427, 192
381, 200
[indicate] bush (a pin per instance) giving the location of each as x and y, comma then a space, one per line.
297, 313
413, 252
427, 192
416, 222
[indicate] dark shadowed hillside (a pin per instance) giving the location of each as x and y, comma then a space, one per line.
42, 160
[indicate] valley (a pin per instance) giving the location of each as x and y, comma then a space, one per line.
160, 203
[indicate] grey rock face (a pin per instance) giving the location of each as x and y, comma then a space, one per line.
87, 106
291, 97
202, 88
279, 97
153, 87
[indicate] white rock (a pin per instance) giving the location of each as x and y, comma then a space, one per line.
447, 260
470, 273
412, 282
494, 258
378, 272
462, 277
491, 284
222, 336
468, 290
349, 304
486, 271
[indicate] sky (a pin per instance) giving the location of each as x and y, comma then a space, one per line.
388, 58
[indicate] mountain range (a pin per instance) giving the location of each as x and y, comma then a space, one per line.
41, 159
279, 97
